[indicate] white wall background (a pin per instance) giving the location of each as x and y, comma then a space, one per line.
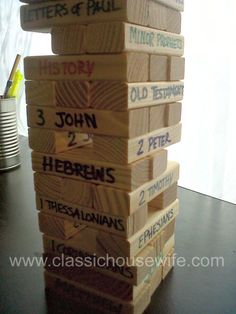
207, 152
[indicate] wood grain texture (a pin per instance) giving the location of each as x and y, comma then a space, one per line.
157, 117
68, 190
169, 264
81, 164
113, 201
174, 21
88, 277
158, 68
124, 276
68, 94
175, 4
79, 245
43, 16
58, 227
126, 151
40, 93
123, 226
116, 200
165, 198
173, 113
157, 221
155, 276
166, 68
169, 237
176, 68
129, 67
163, 17
52, 142
96, 299
158, 164
128, 124
169, 244
120, 96
158, 243
164, 115
71, 39
118, 37
157, 15
155, 280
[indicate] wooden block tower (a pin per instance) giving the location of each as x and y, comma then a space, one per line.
101, 113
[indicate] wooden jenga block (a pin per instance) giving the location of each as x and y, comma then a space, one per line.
42, 93
155, 279
158, 243
164, 18
168, 235
58, 227
123, 276
117, 37
77, 39
88, 277
158, 164
176, 68
52, 142
123, 226
175, 4
173, 21
43, 16
157, 221
164, 242
96, 299
165, 198
157, 117
169, 244
165, 115
127, 124
48, 185
79, 246
119, 201
164, 68
130, 67
68, 190
120, 96
168, 264
173, 113
123, 150
66, 94
157, 15
70, 39
90, 195
81, 165
158, 68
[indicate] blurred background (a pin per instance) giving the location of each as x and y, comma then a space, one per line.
207, 152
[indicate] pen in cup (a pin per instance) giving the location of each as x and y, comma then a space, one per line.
13, 71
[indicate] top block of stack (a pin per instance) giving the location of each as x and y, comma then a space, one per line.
127, 31
43, 15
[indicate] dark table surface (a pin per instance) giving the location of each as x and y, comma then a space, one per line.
206, 227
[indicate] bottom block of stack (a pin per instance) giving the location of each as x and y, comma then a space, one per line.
109, 288
113, 298
96, 266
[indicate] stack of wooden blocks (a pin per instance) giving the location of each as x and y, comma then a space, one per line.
100, 115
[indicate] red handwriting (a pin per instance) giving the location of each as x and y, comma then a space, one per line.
72, 68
